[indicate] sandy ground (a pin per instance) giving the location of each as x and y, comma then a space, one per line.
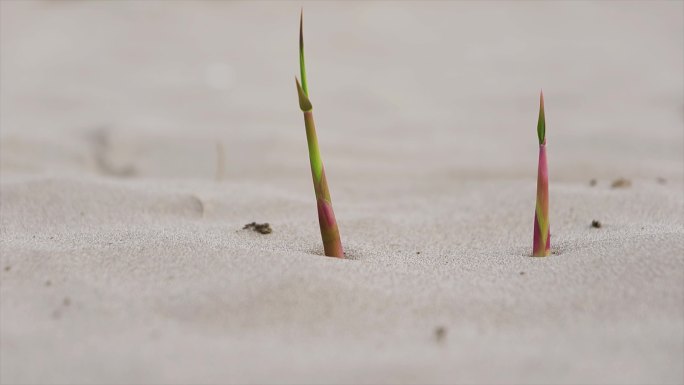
137, 138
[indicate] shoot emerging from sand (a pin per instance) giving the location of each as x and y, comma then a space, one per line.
326, 217
542, 236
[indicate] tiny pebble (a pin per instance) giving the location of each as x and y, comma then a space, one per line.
621, 183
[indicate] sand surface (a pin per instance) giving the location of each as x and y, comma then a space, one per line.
137, 138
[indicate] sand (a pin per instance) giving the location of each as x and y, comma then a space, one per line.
138, 138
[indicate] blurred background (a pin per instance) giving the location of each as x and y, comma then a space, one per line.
192, 89
125, 261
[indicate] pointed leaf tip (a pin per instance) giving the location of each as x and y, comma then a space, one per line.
541, 124
301, 30
304, 102
302, 66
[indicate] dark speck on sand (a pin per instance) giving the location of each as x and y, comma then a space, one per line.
440, 333
261, 228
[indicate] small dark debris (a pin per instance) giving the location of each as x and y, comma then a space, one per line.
67, 301
440, 333
522, 273
661, 180
8, 268
417, 252
596, 224
621, 183
592, 182
48, 283
261, 228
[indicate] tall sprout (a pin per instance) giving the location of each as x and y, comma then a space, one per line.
542, 237
326, 217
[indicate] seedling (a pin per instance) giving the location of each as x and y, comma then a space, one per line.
326, 217
542, 237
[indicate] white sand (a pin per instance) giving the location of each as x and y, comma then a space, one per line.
123, 258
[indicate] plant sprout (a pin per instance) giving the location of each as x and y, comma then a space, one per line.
326, 217
542, 238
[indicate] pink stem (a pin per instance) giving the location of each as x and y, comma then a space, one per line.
542, 234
